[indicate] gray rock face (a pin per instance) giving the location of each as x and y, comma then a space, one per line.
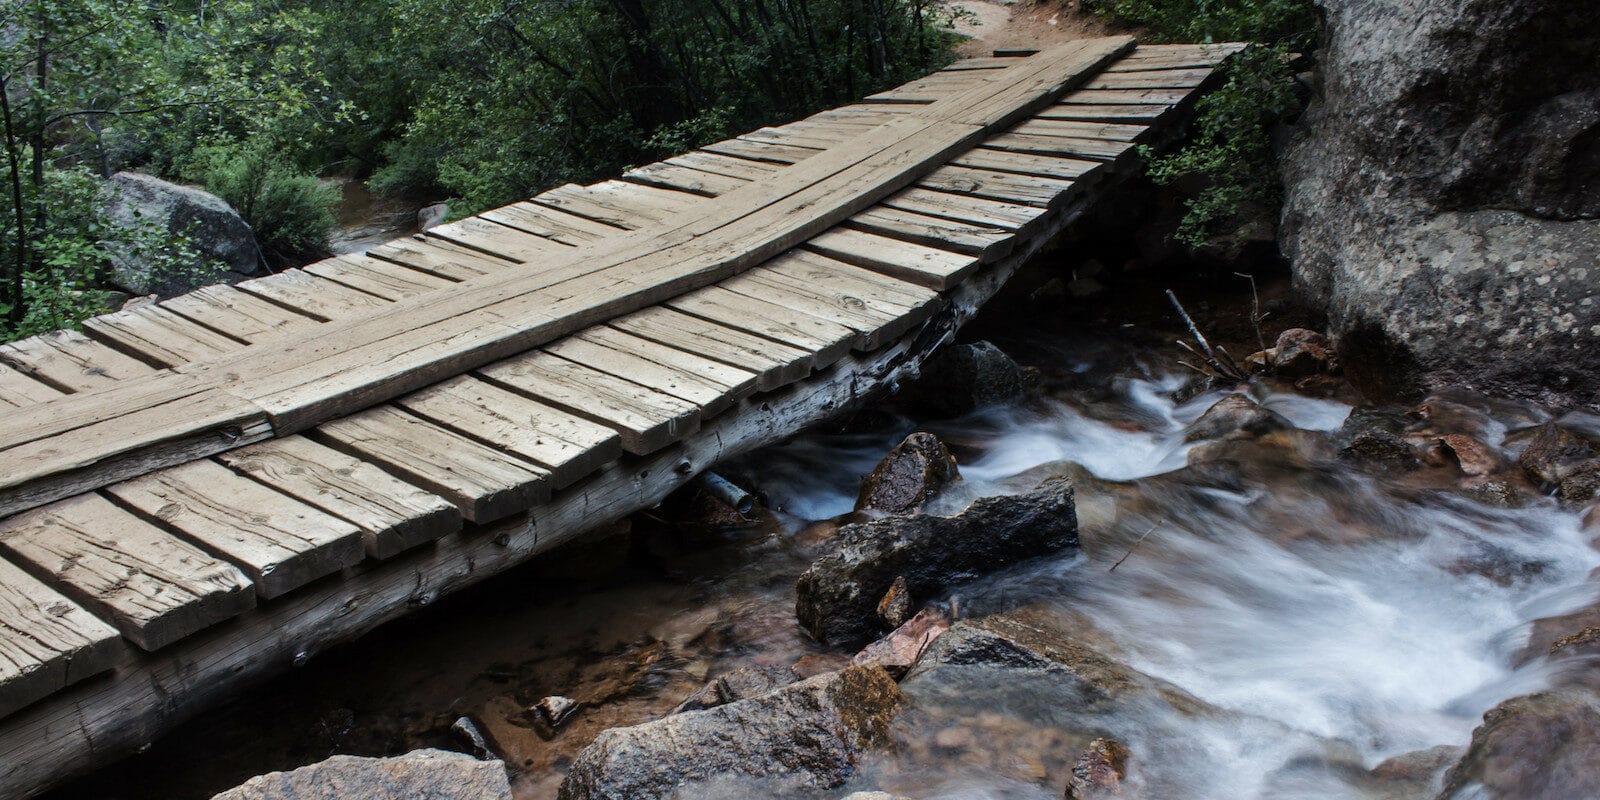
419, 775
219, 233
837, 596
1443, 195
799, 739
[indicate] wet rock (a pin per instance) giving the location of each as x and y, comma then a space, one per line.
898, 650
430, 774
1412, 774
740, 684
1233, 414
911, 474
432, 216
552, 712
1475, 458
1533, 747
1495, 493
1548, 632
1099, 771
838, 595
964, 378
1300, 352
813, 664
1439, 194
1581, 484
803, 737
1554, 453
217, 231
895, 607
468, 733
1381, 451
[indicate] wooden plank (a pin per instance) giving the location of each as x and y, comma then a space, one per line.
1156, 79
1098, 97
736, 382
568, 447
774, 364
19, 391
725, 165
47, 642
668, 175
68, 361
393, 515
985, 242
1065, 146
981, 63
483, 483
962, 208
712, 397
646, 420
160, 336
1081, 130
760, 151
154, 587
401, 349
919, 264
1178, 56
438, 257
1125, 114
874, 324
281, 543
550, 223
491, 238
790, 137
1026, 163
1003, 186
829, 340
313, 296
379, 278
240, 315
836, 275
624, 205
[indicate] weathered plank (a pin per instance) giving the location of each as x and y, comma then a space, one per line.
69, 361
281, 543
1061, 146
439, 257
393, 515
646, 420
484, 483
568, 447
678, 177
240, 315
761, 151
159, 336
774, 364
725, 165
1003, 186
550, 223
313, 296
596, 353
154, 587
17, 390
829, 340
495, 240
391, 282
46, 641
1156, 79
1047, 166
920, 264
962, 208
985, 242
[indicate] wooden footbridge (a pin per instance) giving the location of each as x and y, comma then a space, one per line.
206, 490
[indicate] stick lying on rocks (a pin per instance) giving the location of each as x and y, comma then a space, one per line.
1218, 364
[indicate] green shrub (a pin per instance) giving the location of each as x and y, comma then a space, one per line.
291, 213
1231, 151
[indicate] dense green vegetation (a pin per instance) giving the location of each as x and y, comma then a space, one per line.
1231, 151
480, 101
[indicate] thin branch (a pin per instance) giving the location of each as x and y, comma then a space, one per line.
1136, 543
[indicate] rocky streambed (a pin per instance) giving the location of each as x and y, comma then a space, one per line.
1093, 575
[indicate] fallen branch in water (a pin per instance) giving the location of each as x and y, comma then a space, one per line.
1218, 364
1131, 549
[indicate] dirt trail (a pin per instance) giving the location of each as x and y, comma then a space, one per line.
1017, 25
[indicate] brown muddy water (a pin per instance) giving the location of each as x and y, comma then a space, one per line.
1321, 619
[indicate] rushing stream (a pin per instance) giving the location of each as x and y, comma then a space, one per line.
1285, 624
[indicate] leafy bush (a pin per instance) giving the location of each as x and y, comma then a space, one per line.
291, 213
1231, 151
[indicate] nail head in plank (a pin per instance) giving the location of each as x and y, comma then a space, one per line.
155, 587
568, 447
313, 296
919, 264
71, 361
47, 642
484, 483
646, 420
281, 543
775, 364
393, 515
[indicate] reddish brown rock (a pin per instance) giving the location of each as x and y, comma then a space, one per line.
1554, 453
895, 607
897, 651
1474, 457
1099, 771
1300, 352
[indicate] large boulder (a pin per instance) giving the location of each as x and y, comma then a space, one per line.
802, 738
418, 775
963, 378
1443, 194
219, 234
1537, 746
837, 596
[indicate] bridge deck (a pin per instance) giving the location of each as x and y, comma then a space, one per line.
270, 453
